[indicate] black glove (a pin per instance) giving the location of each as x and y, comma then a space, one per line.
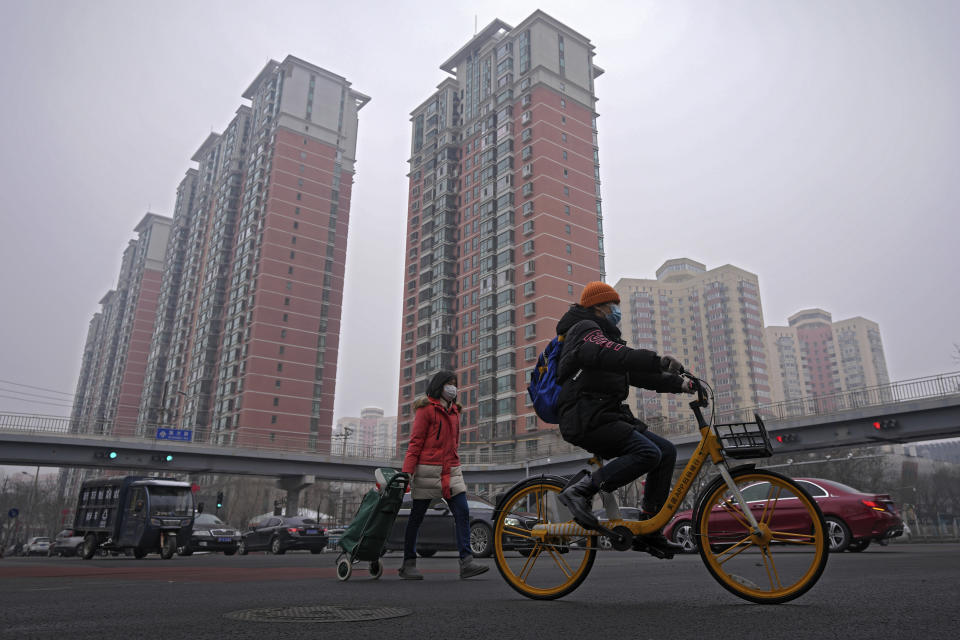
688, 386
671, 365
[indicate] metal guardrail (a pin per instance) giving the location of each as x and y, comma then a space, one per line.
940, 385
279, 440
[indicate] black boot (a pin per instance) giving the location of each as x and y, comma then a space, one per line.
658, 542
578, 498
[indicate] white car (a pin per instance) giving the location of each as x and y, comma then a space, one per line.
38, 546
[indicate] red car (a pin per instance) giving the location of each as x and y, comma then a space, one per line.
854, 519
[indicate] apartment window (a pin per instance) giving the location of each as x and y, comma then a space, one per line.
566, 209
570, 289
276, 383
527, 208
528, 247
286, 302
276, 402
563, 137
530, 331
566, 229
530, 309
283, 333
273, 419
279, 366
527, 152
296, 210
569, 269
528, 227
565, 173
299, 196
563, 103
527, 135
293, 255
564, 155
285, 317
296, 225
566, 191
529, 267
528, 190
568, 248
530, 354
529, 288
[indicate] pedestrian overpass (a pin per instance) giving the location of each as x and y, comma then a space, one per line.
902, 412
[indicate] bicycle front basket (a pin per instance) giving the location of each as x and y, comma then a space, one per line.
744, 439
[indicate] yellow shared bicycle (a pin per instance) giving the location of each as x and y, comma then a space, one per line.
759, 533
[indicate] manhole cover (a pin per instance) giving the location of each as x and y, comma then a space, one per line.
318, 613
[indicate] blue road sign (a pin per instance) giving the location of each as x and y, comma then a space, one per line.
181, 435
13, 513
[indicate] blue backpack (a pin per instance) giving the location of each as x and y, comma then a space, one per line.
544, 387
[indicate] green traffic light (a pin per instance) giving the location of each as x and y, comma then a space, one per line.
113, 454
169, 457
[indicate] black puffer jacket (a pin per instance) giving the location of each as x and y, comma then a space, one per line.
596, 371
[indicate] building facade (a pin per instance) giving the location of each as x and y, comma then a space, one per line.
254, 334
711, 320
118, 339
370, 434
504, 222
816, 357
226, 319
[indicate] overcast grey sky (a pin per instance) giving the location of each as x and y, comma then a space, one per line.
814, 143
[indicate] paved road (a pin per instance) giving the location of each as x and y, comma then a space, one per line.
899, 591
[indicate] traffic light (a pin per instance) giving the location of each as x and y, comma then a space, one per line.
883, 425
787, 437
219, 499
105, 455
162, 457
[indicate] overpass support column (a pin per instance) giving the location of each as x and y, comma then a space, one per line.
293, 485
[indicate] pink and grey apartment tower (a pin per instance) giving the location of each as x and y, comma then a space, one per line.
237, 341
504, 224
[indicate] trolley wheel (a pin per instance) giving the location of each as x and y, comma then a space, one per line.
547, 569
169, 547
89, 546
344, 567
788, 555
376, 569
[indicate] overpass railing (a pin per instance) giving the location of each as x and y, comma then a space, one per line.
940, 385
486, 453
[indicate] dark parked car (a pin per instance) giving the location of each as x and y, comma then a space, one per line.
437, 530
67, 543
854, 519
279, 534
210, 533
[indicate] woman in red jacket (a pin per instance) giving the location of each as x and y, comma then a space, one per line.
433, 461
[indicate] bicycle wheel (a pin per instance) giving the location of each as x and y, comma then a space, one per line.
542, 569
788, 554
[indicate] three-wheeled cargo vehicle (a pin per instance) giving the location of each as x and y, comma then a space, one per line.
133, 513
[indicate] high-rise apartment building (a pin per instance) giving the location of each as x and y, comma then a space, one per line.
371, 433
504, 223
711, 320
225, 321
118, 339
246, 341
816, 357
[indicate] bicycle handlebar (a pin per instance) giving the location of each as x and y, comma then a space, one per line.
701, 388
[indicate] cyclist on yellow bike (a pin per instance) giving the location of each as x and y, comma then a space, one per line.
596, 371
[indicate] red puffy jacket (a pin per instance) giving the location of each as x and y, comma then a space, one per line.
435, 438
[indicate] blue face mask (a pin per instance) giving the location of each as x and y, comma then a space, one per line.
614, 315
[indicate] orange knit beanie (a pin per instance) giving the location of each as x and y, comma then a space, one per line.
597, 293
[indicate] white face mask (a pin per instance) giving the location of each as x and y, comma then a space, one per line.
449, 392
